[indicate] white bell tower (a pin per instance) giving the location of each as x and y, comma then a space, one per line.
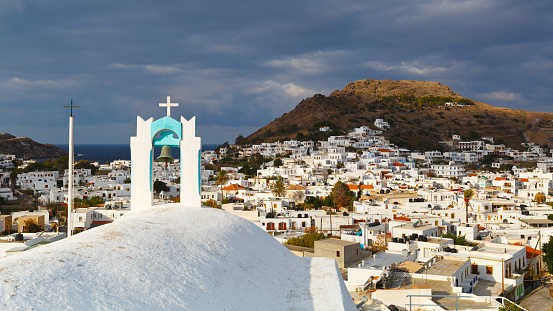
172, 133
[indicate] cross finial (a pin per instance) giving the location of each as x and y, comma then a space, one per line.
168, 104
71, 107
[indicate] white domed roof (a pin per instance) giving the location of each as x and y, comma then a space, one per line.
170, 257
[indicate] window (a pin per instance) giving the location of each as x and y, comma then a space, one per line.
473, 268
489, 270
356, 251
270, 226
337, 253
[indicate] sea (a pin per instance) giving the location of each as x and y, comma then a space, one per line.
111, 152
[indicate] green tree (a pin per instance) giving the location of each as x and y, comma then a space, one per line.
240, 140
509, 306
548, 254
328, 200
279, 188
457, 239
30, 226
13, 178
307, 240
159, 186
474, 135
277, 162
36, 166
86, 164
210, 203
96, 200
467, 195
489, 159
341, 194
60, 164
79, 203
315, 202
52, 209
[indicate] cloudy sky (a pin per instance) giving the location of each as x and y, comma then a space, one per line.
237, 65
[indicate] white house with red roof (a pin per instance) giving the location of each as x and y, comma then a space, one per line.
506, 183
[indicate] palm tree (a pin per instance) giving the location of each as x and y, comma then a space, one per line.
13, 178
279, 189
221, 179
467, 195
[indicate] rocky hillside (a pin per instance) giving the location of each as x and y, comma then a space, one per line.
416, 111
24, 147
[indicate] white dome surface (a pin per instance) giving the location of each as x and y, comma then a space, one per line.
169, 257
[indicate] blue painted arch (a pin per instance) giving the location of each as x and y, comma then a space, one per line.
166, 127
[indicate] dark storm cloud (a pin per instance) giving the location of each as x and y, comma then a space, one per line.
237, 65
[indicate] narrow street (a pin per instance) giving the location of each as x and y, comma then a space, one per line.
540, 299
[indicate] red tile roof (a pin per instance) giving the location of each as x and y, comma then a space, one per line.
294, 187
530, 252
403, 218
234, 187
356, 187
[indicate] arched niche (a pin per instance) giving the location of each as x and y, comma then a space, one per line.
174, 134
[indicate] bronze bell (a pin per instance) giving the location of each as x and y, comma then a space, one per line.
165, 155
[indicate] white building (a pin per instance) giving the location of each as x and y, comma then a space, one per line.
449, 170
381, 124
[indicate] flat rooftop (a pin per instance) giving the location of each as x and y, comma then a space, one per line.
499, 248
537, 221
382, 259
298, 248
436, 240
335, 242
418, 227
491, 251
446, 266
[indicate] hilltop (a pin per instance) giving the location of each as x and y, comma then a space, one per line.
24, 147
416, 111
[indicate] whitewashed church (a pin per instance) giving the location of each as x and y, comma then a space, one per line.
178, 256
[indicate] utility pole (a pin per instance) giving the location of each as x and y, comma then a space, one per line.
502, 276
540, 265
70, 187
